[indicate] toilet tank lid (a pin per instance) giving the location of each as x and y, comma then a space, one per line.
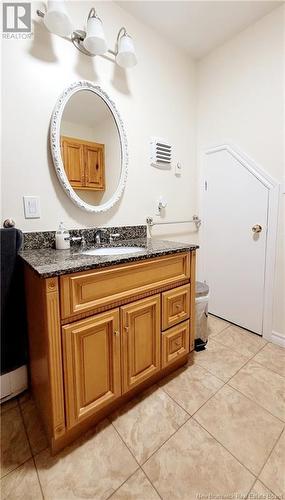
202, 289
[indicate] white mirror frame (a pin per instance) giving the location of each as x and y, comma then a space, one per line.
56, 153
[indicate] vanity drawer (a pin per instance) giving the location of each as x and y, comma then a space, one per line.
175, 306
88, 290
175, 343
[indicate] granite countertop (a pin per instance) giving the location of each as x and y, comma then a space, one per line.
48, 262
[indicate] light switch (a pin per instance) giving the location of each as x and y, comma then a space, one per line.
32, 207
178, 169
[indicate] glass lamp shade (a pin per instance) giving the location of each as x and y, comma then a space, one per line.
95, 41
126, 56
57, 20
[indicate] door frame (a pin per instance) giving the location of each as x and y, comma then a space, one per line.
273, 187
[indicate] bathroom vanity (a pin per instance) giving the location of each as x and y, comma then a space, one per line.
104, 323
102, 329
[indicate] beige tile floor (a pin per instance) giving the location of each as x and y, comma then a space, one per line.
213, 429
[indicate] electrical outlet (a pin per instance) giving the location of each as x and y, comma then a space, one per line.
32, 207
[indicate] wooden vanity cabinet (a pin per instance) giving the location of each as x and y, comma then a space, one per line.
100, 336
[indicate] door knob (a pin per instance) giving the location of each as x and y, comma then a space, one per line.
257, 228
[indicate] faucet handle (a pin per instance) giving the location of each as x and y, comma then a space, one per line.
113, 236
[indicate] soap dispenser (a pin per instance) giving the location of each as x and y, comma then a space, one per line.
62, 238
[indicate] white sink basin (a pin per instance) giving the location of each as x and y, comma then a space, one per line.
112, 250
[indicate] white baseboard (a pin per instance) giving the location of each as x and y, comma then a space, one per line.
13, 383
278, 338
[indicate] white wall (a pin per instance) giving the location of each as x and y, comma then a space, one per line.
157, 97
240, 95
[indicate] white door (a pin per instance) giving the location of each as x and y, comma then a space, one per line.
235, 202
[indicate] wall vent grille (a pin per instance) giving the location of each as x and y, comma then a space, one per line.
161, 153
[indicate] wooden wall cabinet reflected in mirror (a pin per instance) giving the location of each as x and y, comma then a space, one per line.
84, 163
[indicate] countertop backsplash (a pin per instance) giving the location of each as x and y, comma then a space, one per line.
46, 239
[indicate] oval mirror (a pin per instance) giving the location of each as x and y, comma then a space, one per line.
89, 147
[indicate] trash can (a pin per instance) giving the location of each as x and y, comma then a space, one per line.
201, 305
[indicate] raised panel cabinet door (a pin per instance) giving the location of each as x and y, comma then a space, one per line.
92, 365
73, 161
140, 341
94, 167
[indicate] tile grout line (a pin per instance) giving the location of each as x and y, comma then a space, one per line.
139, 465
16, 468
37, 472
39, 417
125, 444
25, 461
249, 399
224, 447
247, 361
258, 404
239, 352
274, 445
266, 367
210, 397
215, 334
154, 487
33, 458
155, 451
271, 451
272, 492
260, 472
267, 342
192, 416
225, 382
228, 382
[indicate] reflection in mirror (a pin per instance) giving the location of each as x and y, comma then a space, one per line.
90, 147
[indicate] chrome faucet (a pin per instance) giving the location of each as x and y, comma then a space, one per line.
98, 235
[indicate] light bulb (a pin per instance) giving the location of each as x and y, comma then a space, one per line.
126, 56
95, 41
57, 20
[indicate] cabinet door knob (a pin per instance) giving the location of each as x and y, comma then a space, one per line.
257, 228
126, 328
116, 332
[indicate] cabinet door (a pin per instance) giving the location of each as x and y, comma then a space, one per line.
140, 341
73, 161
94, 167
92, 369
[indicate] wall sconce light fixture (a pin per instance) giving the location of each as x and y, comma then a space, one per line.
91, 42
